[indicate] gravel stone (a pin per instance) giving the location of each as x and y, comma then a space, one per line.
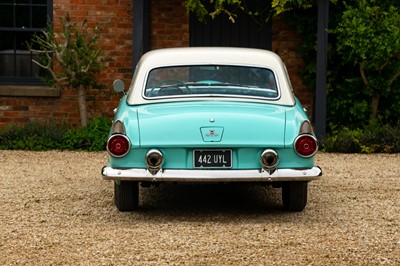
55, 209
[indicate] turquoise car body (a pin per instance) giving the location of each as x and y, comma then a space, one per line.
179, 127
210, 115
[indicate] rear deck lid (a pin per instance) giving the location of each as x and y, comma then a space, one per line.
211, 123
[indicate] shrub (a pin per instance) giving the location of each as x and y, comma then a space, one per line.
40, 136
385, 138
373, 138
93, 137
33, 136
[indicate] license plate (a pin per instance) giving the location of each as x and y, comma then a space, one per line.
212, 158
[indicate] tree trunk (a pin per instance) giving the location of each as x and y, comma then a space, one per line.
374, 108
374, 104
82, 105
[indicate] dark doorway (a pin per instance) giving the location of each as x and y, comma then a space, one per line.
246, 31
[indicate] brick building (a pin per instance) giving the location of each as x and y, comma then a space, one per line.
23, 98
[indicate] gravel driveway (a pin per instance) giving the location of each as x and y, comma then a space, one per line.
55, 209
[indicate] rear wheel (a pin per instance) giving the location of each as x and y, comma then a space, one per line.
126, 195
294, 196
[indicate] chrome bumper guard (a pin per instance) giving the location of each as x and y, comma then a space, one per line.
174, 175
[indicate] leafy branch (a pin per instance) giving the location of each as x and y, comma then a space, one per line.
71, 57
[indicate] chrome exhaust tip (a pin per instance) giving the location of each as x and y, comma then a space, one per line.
269, 159
154, 160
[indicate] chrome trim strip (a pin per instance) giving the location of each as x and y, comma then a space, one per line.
174, 175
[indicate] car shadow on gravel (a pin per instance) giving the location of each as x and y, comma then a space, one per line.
208, 200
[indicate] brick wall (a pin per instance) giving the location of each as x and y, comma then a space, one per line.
169, 28
116, 42
285, 42
169, 24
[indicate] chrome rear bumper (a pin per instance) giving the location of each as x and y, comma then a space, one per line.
174, 175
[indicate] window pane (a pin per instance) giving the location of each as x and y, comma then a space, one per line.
6, 40
39, 16
22, 16
18, 64
6, 63
6, 16
24, 65
23, 38
203, 80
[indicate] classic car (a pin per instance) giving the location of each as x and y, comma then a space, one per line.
210, 115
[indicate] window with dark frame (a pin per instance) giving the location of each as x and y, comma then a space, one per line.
19, 21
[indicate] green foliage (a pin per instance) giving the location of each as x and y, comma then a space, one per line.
35, 136
203, 9
343, 140
368, 37
374, 138
227, 7
74, 50
90, 138
48, 136
282, 6
348, 101
71, 58
368, 32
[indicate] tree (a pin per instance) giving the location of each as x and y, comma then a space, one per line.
230, 7
71, 57
369, 37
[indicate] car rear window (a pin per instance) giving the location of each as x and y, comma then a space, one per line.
211, 80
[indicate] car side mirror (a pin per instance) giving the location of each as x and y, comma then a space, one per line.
118, 86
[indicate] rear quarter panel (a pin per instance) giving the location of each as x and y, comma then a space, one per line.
294, 118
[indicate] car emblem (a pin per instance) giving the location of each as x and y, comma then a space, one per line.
212, 133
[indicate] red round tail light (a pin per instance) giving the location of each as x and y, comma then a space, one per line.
306, 145
118, 145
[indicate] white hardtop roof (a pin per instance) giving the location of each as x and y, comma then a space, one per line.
209, 56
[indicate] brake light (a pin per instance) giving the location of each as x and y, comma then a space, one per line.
306, 145
118, 145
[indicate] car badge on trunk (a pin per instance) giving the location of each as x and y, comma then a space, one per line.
212, 134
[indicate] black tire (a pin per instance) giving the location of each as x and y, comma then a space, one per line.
294, 196
126, 195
